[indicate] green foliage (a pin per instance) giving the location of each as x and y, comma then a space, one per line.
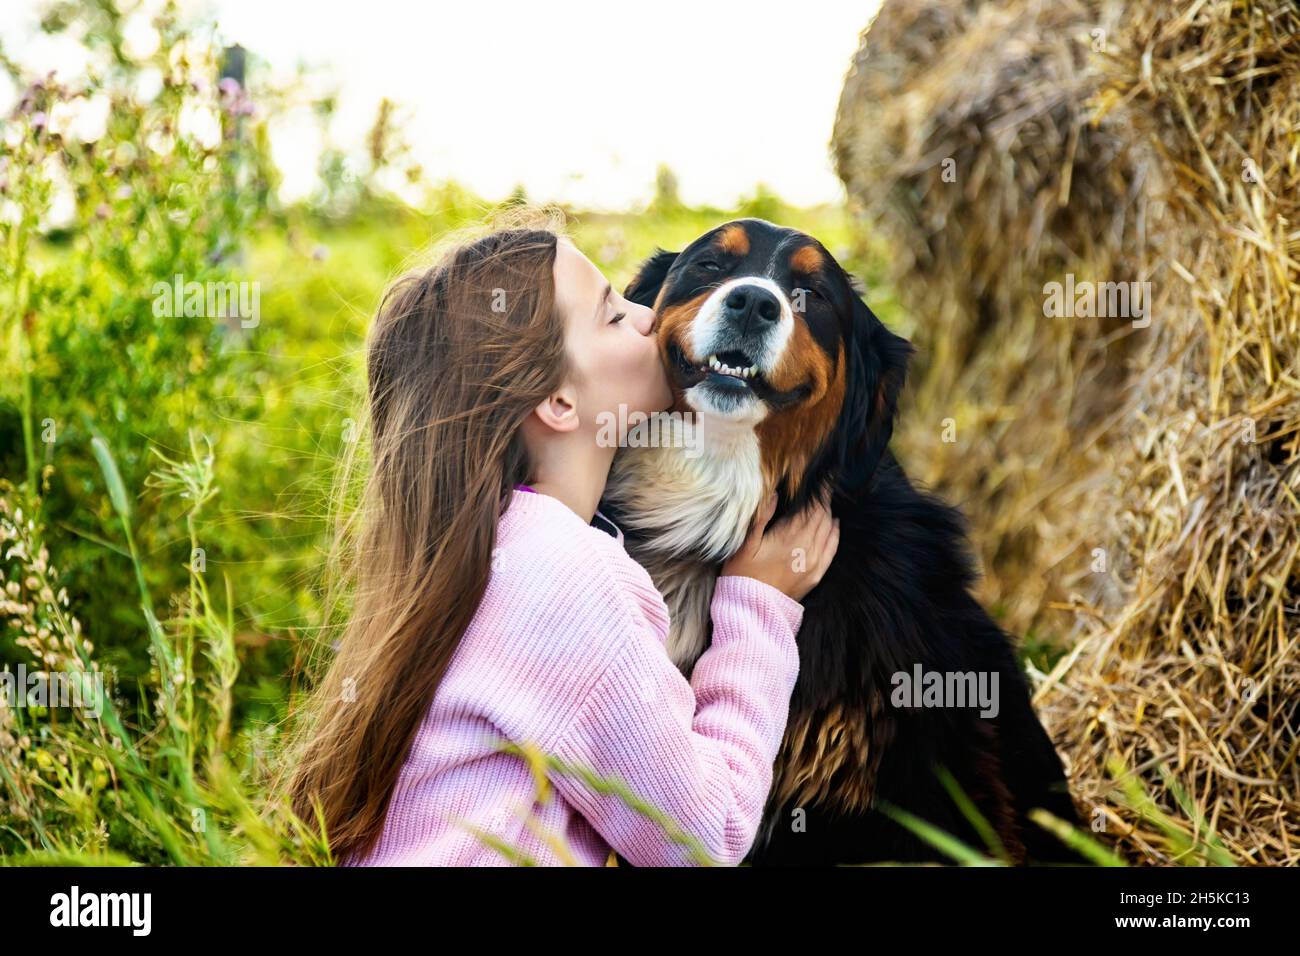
169, 784
147, 199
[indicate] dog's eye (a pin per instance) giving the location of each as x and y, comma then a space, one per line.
813, 291
708, 265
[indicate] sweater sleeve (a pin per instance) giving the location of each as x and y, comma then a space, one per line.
700, 752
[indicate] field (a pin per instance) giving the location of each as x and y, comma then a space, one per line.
183, 368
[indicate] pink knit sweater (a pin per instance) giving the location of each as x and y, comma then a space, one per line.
566, 652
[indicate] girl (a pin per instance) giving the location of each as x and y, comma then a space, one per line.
497, 610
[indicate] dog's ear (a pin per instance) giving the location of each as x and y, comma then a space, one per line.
877, 369
645, 285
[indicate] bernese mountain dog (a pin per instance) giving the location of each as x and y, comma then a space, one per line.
793, 385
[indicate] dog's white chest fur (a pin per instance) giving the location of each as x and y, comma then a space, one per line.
689, 513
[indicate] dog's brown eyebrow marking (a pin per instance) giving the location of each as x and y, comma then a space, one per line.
807, 260
734, 240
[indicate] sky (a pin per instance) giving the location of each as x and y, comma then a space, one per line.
579, 102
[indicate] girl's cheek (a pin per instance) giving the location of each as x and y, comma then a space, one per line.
650, 354
633, 362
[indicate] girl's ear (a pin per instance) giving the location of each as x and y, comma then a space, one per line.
644, 287
558, 412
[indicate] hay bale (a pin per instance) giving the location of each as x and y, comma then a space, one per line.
962, 134
1197, 666
1171, 451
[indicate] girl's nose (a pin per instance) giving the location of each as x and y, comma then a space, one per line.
643, 318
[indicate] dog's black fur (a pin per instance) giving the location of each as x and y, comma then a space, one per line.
897, 594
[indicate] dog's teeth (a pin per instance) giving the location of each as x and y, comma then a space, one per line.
736, 372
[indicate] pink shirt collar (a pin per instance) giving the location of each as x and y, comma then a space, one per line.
598, 520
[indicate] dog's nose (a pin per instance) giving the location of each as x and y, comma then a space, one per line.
751, 304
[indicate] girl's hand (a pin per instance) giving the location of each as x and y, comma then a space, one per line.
770, 555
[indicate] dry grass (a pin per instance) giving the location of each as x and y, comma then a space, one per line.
1164, 150
999, 91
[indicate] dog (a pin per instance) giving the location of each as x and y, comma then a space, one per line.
793, 384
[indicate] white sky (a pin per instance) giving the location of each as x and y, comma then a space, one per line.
578, 101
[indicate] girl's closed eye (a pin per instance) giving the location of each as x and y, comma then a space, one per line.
618, 318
